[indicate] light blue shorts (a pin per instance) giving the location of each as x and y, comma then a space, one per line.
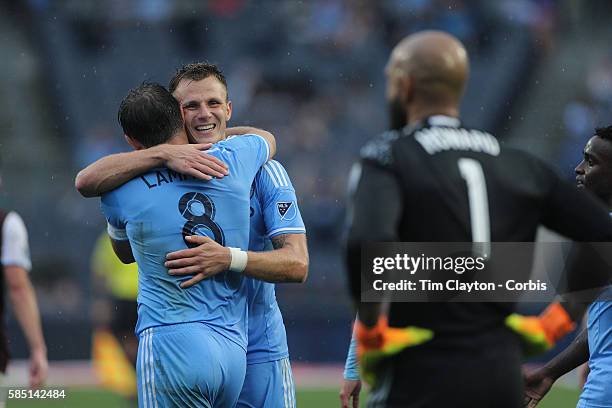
268, 385
188, 365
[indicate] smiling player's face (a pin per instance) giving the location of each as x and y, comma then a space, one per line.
205, 108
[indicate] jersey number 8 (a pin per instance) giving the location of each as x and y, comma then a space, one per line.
199, 211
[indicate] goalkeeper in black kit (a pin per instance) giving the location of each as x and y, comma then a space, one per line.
434, 180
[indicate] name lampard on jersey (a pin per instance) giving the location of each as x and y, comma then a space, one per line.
455, 285
165, 176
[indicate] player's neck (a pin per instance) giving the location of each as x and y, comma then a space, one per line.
418, 113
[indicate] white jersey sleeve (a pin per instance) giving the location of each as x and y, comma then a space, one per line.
15, 248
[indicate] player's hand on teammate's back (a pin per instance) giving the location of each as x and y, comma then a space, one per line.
203, 261
350, 389
191, 160
38, 368
537, 385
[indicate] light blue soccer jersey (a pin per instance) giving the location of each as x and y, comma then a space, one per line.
274, 211
351, 366
597, 391
158, 209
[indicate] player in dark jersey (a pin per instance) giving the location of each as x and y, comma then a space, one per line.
436, 181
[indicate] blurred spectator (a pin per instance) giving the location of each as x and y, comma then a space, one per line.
99, 141
579, 122
599, 81
589, 109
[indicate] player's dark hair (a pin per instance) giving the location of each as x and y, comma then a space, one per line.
604, 133
196, 71
150, 114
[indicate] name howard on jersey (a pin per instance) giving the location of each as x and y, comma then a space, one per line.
436, 139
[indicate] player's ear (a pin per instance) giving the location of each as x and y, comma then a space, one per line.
406, 89
229, 110
134, 143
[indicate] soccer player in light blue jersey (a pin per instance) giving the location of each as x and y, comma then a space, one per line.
192, 342
594, 344
275, 223
351, 384
275, 217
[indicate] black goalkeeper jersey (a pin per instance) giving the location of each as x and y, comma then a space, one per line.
441, 182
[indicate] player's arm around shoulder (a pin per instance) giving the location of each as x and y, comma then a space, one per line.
115, 170
247, 130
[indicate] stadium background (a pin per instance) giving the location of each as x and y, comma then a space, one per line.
312, 73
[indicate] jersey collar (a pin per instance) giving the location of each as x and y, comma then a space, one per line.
442, 120
433, 121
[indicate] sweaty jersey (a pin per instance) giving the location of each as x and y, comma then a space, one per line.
441, 182
274, 211
597, 392
157, 210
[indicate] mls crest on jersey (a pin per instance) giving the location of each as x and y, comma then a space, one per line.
286, 209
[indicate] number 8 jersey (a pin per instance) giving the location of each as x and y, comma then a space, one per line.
158, 209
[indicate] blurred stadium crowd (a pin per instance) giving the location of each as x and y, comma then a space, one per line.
310, 72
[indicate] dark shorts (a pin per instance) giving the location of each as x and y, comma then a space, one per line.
483, 372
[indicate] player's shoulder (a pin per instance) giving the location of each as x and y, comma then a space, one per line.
241, 140
526, 159
274, 173
252, 143
127, 188
131, 191
380, 148
13, 224
12, 216
527, 171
